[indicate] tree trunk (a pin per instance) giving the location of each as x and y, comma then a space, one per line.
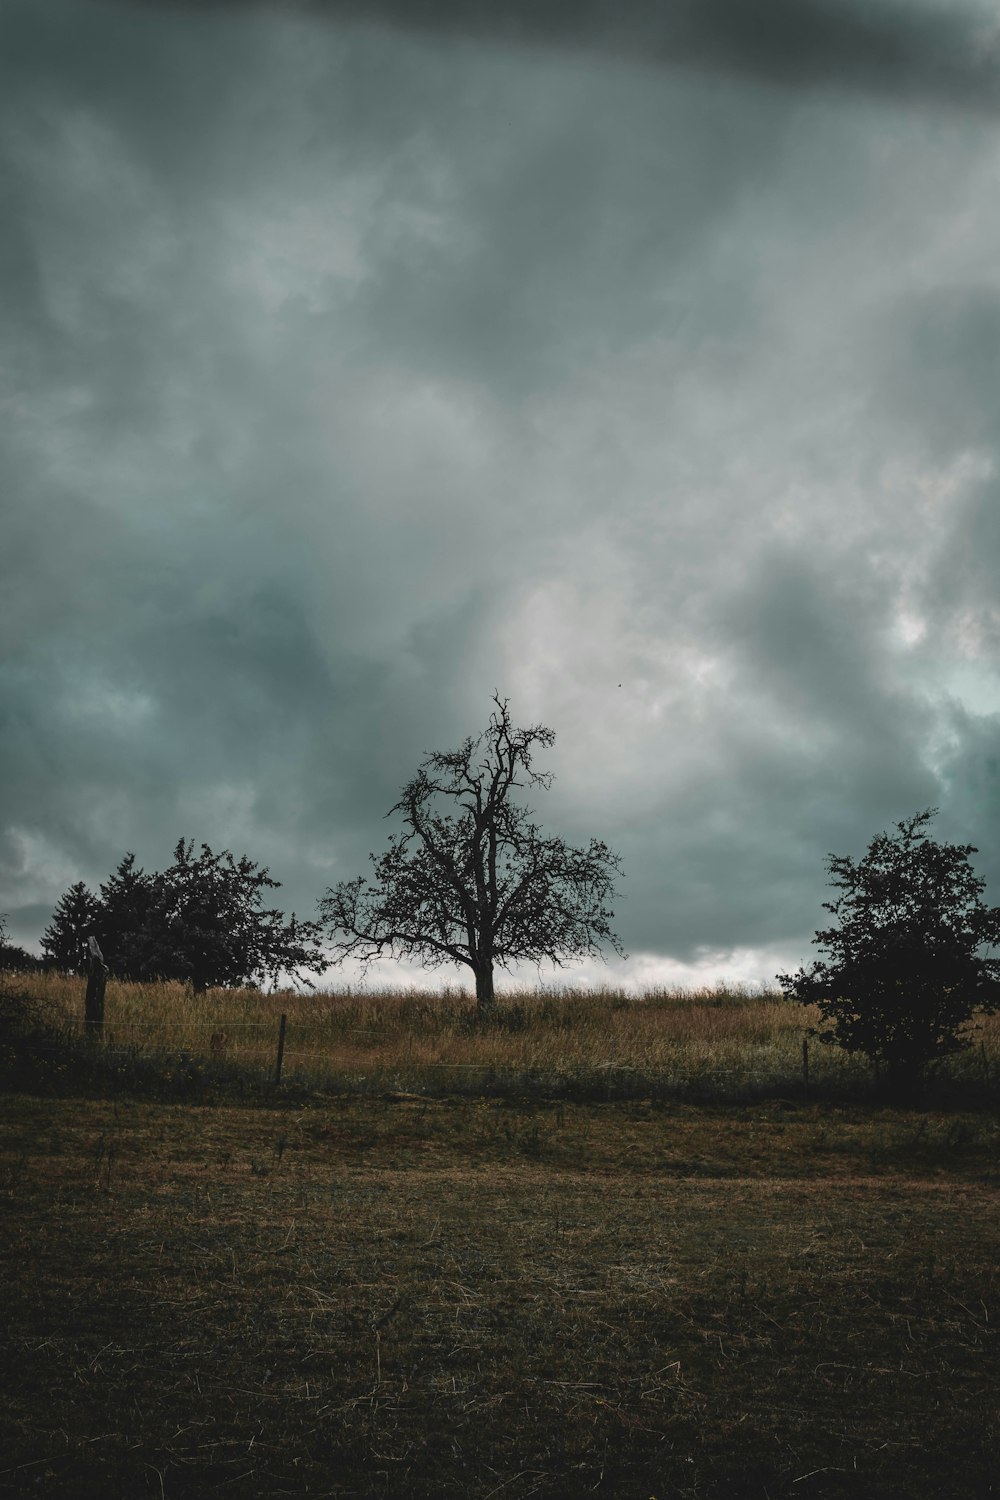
485, 998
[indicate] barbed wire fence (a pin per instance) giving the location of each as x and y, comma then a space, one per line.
265, 1051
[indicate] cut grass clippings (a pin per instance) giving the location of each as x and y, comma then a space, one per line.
459, 1298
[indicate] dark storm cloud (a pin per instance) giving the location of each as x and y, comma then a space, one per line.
342, 384
901, 52
809, 748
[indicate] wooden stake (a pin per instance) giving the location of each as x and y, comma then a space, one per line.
281, 1049
97, 978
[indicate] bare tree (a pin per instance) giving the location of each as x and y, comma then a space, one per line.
478, 884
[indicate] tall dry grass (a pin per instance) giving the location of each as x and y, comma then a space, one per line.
720, 1041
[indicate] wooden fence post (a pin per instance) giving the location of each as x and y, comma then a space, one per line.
805, 1064
97, 978
281, 1049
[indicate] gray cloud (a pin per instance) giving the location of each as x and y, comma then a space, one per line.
894, 51
348, 375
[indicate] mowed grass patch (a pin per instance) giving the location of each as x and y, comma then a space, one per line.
422, 1297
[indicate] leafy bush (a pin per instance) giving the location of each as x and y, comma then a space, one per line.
905, 973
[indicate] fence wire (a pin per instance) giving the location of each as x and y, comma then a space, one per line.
253, 1046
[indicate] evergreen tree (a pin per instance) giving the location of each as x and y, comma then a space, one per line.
123, 921
64, 941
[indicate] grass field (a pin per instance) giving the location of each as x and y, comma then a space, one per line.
496, 1262
454, 1297
712, 1043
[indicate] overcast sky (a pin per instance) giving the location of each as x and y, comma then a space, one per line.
643, 367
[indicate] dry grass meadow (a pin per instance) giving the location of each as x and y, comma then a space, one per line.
713, 1043
348, 1287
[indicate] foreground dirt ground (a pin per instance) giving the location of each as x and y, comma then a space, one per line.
399, 1297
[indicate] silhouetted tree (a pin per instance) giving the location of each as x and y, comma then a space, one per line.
205, 924
479, 885
905, 972
124, 921
14, 960
64, 941
200, 921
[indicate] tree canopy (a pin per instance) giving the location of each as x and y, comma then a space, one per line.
472, 880
905, 970
200, 921
64, 941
